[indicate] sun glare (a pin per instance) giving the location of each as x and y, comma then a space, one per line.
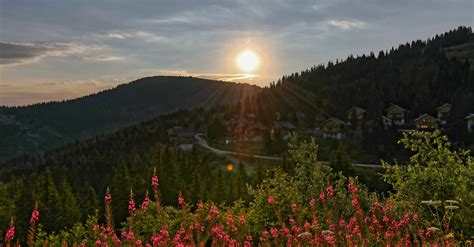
248, 61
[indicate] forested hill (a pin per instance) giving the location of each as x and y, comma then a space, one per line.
419, 76
68, 181
41, 127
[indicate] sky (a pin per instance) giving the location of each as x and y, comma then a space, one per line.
62, 49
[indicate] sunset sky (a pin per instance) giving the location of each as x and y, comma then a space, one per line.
57, 49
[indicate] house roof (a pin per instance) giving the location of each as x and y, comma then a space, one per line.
444, 106
185, 133
396, 107
285, 124
334, 120
357, 109
258, 126
422, 117
470, 116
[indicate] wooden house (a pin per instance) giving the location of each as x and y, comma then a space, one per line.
334, 128
397, 114
443, 112
255, 131
426, 122
470, 123
387, 122
356, 113
282, 127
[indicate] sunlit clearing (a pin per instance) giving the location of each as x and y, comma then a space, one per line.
248, 61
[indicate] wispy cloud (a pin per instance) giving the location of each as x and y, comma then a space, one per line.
212, 76
103, 58
146, 36
346, 24
23, 53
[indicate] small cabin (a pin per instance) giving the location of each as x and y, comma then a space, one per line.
470, 123
186, 146
356, 113
387, 122
396, 114
334, 128
426, 122
283, 127
255, 132
443, 112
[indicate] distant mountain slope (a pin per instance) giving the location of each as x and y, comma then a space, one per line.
419, 76
41, 127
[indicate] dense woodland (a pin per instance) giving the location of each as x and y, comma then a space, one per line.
68, 182
419, 76
42, 127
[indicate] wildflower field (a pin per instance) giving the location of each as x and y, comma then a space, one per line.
431, 205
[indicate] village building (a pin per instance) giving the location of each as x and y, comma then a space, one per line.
255, 131
282, 127
443, 112
356, 113
182, 137
470, 123
387, 122
186, 146
396, 114
334, 128
426, 122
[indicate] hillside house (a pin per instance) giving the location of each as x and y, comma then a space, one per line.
443, 112
470, 123
183, 137
426, 122
255, 131
387, 122
236, 128
356, 113
396, 114
334, 128
282, 127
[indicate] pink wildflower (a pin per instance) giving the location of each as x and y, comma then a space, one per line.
154, 179
108, 197
293, 207
180, 200
355, 202
312, 202
330, 190
131, 207
353, 188
145, 203
34, 215
321, 196
242, 219
10, 233
270, 200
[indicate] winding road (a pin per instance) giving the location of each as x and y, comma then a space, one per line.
203, 143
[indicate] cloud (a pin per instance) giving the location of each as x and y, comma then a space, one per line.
346, 24
211, 76
103, 58
23, 53
146, 36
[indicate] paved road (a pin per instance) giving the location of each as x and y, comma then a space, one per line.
202, 142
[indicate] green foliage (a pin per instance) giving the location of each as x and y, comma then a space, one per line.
54, 124
435, 172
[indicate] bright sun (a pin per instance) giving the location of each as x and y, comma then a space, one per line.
248, 61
